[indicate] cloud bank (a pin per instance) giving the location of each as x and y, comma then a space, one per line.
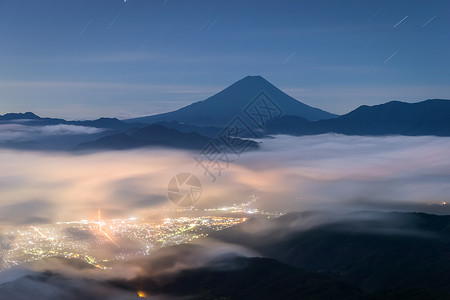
19, 132
291, 173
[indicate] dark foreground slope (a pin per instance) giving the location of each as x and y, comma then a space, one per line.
309, 256
248, 278
377, 252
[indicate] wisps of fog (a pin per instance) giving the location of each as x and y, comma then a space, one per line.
58, 278
291, 173
20, 132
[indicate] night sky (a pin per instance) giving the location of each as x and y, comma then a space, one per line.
85, 59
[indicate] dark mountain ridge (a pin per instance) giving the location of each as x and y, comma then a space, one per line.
19, 116
32, 119
152, 135
430, 117
377, 252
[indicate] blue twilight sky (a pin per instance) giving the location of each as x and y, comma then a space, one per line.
81, 59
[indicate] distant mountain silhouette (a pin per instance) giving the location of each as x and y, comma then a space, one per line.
35, 120
19, 116
224, 106
151, 135
117, 135
110, 123
208, 131
430, 117
58, 141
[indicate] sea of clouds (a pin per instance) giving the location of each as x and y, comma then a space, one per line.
287, 173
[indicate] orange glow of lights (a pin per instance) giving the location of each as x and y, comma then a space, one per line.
109, 237
142, 294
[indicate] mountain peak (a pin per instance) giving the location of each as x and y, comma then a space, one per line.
221, 108
19, 116
253, 77
253, 81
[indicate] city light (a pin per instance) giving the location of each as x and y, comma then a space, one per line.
102, 241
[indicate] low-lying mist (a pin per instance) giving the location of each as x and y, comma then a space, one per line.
287, 173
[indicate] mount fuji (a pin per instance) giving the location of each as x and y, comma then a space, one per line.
220, 109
